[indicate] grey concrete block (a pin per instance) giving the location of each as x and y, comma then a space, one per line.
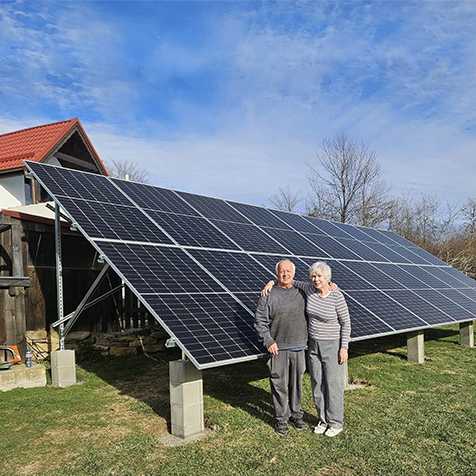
63, 368
186, 393
63, 358
416, 347
466, 334
183, 371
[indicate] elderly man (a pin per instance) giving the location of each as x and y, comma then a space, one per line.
281, 326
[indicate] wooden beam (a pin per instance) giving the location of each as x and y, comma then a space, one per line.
14, 281
76, 161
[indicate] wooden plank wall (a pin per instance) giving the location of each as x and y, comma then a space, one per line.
39, 309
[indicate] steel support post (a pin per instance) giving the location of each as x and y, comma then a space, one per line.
59, 274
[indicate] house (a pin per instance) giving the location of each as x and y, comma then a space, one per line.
28, 298
62, 143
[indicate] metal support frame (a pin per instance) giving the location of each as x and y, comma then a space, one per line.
71, 318
59, 274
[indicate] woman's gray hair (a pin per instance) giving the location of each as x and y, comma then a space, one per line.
320, 266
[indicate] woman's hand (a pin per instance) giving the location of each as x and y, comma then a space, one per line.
267, 289
343, 356
333, 286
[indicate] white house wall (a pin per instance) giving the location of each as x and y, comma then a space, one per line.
12, 191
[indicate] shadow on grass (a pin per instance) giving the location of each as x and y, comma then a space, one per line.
146, 379
384, 345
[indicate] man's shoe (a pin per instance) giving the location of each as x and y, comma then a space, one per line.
281, 429
333, 431
320, 429
298, 423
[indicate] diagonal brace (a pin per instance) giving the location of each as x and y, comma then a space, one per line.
72, 318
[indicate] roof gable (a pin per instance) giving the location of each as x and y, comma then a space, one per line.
35, 143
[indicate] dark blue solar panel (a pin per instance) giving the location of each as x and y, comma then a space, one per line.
408, 254
294, 242
153, 269
355, 232
460, 276
342, 276
260, 216
202, 291
373, 275
250, 300
237, 271
447, 278
429, 257
390, 311
328, 228
250, 237
213, 208
363, 322
296, 221
421, 272
333, 248
448, 306
192, 231
399, 273
214, 326
413, 301
155, 198
469, 292
388, 253
105, 220
377, 235
75, 184
363, 251
462, 299
397, 238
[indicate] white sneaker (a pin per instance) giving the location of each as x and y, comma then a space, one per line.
320, 429
333, 431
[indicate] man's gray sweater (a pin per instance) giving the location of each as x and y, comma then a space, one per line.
280, 317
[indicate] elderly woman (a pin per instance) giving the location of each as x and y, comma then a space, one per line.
329, 334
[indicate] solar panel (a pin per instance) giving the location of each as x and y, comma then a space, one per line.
249, 237
113, 222
192, 231
155, 198
198, 263
296, 222
260, 216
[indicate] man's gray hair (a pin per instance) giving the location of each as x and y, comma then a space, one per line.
279, 262
320, 266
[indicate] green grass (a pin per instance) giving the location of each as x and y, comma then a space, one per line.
410, 420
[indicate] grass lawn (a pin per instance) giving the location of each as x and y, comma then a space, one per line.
410, 420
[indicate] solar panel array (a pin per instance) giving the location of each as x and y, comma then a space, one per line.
198, 263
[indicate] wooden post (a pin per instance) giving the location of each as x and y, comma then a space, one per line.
16, 321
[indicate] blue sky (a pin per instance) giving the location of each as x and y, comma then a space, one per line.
231, 99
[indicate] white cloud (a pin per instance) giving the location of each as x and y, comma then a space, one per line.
277, 79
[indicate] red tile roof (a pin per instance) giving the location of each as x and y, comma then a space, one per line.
33, 143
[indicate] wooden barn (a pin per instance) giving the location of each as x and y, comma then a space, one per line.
28, 297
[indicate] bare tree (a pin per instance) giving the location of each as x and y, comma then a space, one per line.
416, 218
126, 169
286, 200
346, 183
469, 215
